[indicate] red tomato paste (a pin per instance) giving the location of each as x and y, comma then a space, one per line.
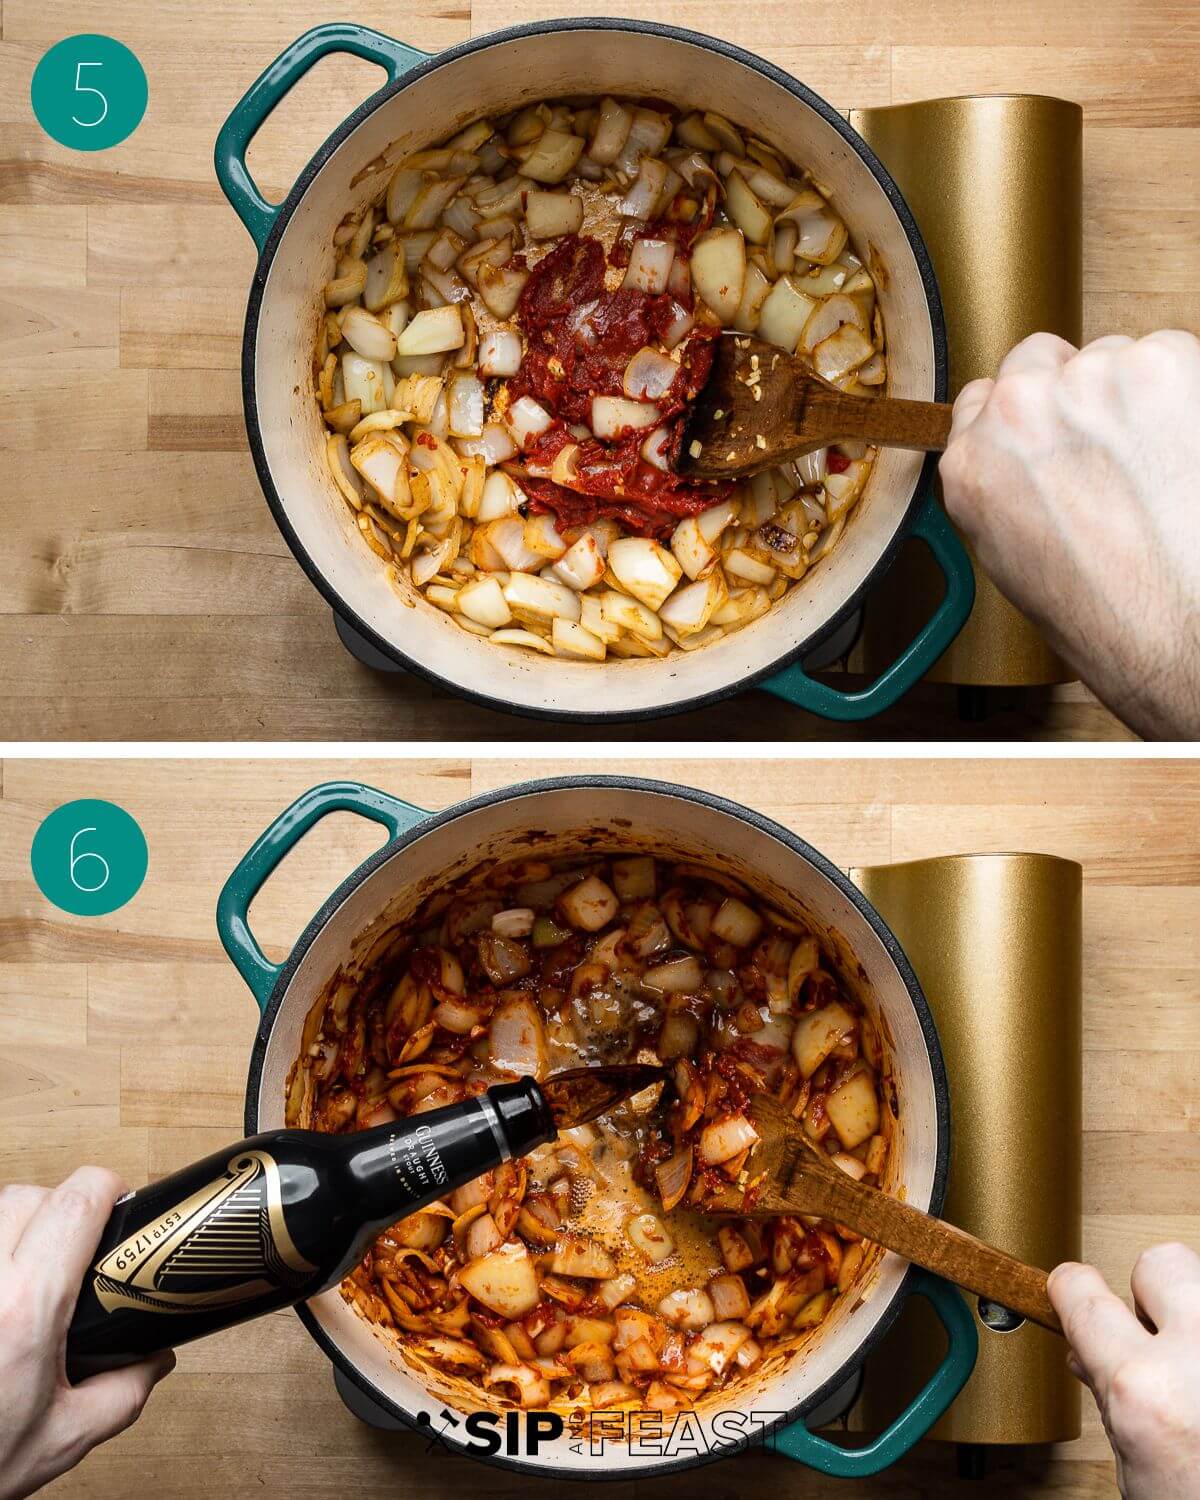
565, 365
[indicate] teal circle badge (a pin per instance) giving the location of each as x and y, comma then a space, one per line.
89, 92
89, 857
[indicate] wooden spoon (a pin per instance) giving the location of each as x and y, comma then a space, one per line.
761, 406
803, 1180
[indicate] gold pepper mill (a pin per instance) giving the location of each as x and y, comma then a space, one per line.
995, 185
995, 940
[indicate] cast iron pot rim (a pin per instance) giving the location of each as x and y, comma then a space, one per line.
283, 216
937, 1064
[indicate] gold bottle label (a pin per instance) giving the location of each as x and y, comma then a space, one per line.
226, 1243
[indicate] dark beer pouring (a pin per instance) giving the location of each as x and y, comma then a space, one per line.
284, 1215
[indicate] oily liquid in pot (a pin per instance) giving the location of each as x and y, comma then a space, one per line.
601, 1209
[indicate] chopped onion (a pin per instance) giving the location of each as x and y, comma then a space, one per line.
524, 638
647, 1233
692, 550
613, 123
783, 314
552, 157
679, 976
641, 199
386, 279
577, 1256
581, 566
526, 420
550, 215
541, 597
736, 923
755, 290
681, 324
689, 1309
507, 536
381, 464
673, 1178
500, 352
517, 1039
614, 415
482, 600
615, 1291
465, 405
434, 330
541, 536
719, 269
337, 453
811, 467
505, 1281
717, 1346
348, 285
501, 287
363, 380
571, 638
745, 210
644, 568
827, 317
497, 444
689, 608
631, 615
517, 921
724, 1139
589, 905
650, 264
656, 449
649, 375
841, 352
501, 497
822, 238
730, 1298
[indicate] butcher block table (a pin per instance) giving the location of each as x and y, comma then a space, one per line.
125, 1040
145, 590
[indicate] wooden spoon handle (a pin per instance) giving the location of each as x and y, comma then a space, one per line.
926, 1241
888, 421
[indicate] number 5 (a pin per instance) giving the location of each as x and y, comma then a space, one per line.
85, 88
78, 859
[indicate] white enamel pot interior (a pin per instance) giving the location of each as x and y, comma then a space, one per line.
540, 818
488, 76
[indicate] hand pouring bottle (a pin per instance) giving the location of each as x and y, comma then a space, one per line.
285, 1215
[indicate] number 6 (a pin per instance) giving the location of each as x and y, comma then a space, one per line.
86, 88
78, 859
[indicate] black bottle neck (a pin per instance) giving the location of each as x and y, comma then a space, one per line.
398, 1168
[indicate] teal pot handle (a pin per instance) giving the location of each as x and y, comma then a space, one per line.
794, 684
269, 88
918, 1417
269, 848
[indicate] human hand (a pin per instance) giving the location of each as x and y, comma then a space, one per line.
1146, 1383
47, 1240
1076, 476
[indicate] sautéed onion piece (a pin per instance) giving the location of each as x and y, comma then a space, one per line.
588, 1273
536, 301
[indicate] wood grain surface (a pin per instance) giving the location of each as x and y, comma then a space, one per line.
125, 1040
144, 589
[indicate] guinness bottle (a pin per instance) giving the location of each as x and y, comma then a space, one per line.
285, 1215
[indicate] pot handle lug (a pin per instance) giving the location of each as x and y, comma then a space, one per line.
935, 530
260, 860
252, 109
798, 1443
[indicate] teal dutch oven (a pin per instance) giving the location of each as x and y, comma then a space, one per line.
423, 852
424, 99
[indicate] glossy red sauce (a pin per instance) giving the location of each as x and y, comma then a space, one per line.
563, 368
